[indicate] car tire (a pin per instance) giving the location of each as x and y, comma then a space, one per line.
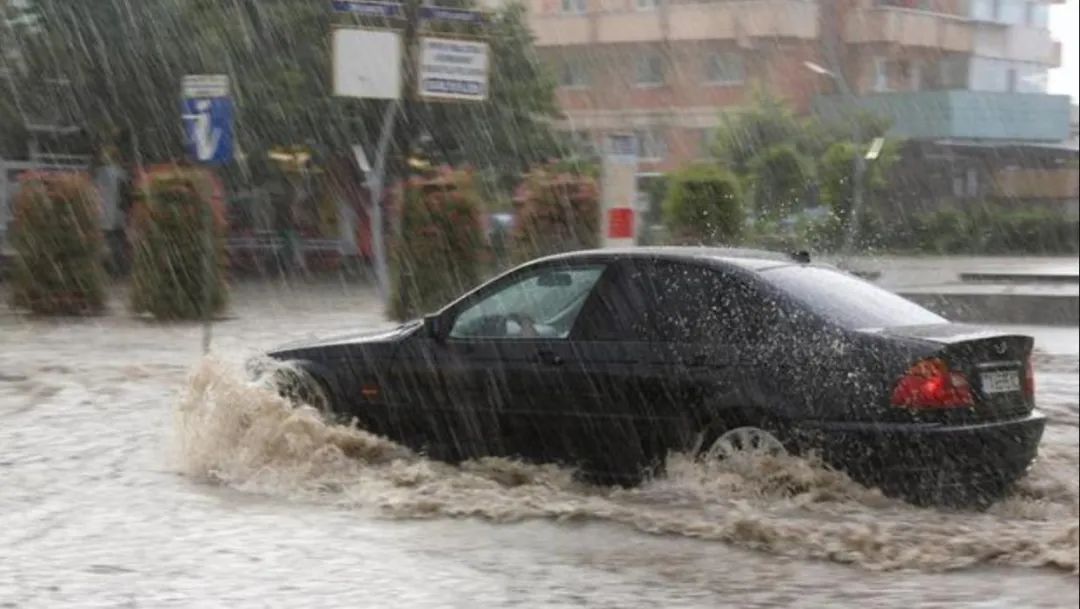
300, 387
742, 433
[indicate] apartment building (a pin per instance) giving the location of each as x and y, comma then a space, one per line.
945, 72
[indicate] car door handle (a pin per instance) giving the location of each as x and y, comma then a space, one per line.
550, 357
698, 359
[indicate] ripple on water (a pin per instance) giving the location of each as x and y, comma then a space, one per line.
233, 432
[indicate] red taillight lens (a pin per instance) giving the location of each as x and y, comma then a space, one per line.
930, 384
1029, 379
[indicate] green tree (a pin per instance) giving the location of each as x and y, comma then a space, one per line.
836, 175
779, 177
126, 58
765, 122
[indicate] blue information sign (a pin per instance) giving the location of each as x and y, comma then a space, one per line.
208, 127
457, 15
386, 10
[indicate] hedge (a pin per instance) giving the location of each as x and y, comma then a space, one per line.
177, 212
704, 206
557, 211
439, 250
59, 245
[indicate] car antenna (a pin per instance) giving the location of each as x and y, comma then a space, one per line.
801, 257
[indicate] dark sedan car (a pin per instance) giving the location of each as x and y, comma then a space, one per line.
608, 360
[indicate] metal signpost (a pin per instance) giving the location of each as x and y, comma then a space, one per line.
443, 68
208, 115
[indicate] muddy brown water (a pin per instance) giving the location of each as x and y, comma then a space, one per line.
135, 473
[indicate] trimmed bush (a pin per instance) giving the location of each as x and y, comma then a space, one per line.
704, 206
59, 245
178, 221
556, 212
440, 249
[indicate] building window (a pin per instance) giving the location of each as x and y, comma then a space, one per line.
651, 143
573, 73
881, 74
708, 139
952, 73
646, 5
650, 70
582, 143
725, 68
1038, 14
574, 7
915, 75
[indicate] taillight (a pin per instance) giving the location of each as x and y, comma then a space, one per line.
1029, 379
930, 384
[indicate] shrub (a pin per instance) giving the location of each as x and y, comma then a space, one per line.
556, 212
703, 205
59, 245
179, 245
440, 248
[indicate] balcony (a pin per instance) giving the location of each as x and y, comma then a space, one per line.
741, 20
950, 33
963, 114
909, 28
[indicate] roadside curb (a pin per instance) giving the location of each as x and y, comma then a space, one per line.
1036, 309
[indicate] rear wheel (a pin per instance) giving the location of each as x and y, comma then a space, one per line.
746, 440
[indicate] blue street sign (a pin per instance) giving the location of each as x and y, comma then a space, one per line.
208, 129
386, 10
456, 15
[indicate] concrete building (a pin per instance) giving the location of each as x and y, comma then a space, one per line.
949, 74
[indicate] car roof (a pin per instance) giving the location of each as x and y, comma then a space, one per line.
750, 259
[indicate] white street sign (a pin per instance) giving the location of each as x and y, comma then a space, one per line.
453, 69
205, 85
367, 64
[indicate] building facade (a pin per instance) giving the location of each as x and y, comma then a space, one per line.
942, 71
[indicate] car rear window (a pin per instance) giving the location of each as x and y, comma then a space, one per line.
848, 300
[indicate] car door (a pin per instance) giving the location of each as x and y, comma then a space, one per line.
505, 358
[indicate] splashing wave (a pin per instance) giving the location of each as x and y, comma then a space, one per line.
238, 433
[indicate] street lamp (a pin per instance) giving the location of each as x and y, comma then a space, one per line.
859, 161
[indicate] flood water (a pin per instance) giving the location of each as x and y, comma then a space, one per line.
134, 473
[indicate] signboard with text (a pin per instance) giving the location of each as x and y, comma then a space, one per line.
452, 69
208, 115
362, 8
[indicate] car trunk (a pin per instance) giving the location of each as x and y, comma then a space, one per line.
993, 363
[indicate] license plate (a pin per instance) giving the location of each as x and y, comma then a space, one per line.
1003, 381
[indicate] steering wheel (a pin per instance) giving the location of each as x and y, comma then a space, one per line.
525, 322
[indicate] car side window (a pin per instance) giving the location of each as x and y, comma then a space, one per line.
690, 303
616, 309
541, 304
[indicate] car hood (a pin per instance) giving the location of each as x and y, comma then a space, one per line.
391, 335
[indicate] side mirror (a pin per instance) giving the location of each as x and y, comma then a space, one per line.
433, 327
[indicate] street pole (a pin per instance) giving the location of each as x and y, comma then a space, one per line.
859, 171
406, 134
836, 72
375, 187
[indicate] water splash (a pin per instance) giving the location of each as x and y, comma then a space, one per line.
239, 433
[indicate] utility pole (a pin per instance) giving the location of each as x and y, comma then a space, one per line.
836, 72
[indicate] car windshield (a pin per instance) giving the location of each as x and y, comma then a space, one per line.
848, 300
